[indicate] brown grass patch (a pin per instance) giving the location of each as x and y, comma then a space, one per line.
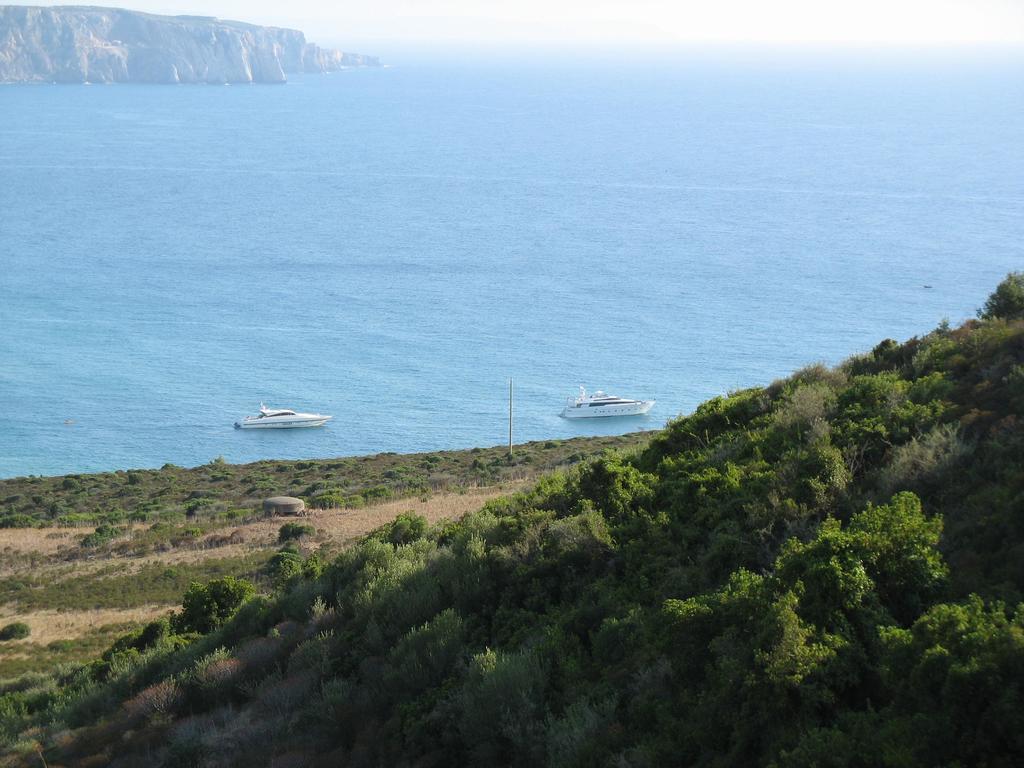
342, 526
43, 541
47, 626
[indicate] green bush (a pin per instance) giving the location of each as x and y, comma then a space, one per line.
284, 566
427, 654
406, 528
502, 708
18, 521
17, 630
151, 635
206, 607
196, 505
376, 493
328, 500
103, 534
924, 459
1007, 301
291, 531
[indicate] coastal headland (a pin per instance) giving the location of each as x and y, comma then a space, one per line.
84, 44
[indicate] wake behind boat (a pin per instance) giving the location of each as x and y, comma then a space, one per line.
280, 418
601, 404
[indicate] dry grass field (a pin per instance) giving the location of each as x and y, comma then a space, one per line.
63, 629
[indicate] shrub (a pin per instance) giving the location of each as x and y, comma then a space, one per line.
196, 505
284, 566
259, 653
103, 534
933, 354
578, 540
426, 655
312, 655
570, 737
18, 630
376, 493
957, 676
314, 566
503, 708
898, 546
158, 699
328, 500
923, 459
618, 490
149, 636
290, 531
407, 527
808, 404
18, 521
1007, 301
214, 673
206, 607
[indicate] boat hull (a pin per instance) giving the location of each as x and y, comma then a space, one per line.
638, 408
271, 424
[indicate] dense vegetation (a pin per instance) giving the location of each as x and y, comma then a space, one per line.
824, 572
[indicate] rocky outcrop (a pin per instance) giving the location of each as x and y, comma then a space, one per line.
77, 44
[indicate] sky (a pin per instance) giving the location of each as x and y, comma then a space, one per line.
655, 22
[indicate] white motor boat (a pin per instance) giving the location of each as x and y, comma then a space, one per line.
281, 418
600, 404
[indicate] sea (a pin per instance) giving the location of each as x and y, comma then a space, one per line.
391, 246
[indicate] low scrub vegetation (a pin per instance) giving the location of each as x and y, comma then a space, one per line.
219, 494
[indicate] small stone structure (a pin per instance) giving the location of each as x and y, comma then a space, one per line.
283, 505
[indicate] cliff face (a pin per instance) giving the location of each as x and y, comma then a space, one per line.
74, 44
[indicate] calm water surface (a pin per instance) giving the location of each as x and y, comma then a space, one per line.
388, 246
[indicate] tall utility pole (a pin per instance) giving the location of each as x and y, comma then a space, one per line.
510, 417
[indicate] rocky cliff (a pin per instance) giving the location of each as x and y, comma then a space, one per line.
77, 44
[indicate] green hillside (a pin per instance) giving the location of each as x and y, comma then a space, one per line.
827, 571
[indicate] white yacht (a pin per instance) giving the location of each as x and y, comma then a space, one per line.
280, 418
599, 404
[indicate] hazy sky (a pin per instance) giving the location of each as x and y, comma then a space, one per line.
626, 21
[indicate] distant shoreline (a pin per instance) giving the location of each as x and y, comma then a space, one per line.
355, 480
91, 46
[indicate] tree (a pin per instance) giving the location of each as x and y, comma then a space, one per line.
406, 528
1007, 301
284, 566
958, 686
899, 547
206, 607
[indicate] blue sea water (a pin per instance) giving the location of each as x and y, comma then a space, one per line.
389, 246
